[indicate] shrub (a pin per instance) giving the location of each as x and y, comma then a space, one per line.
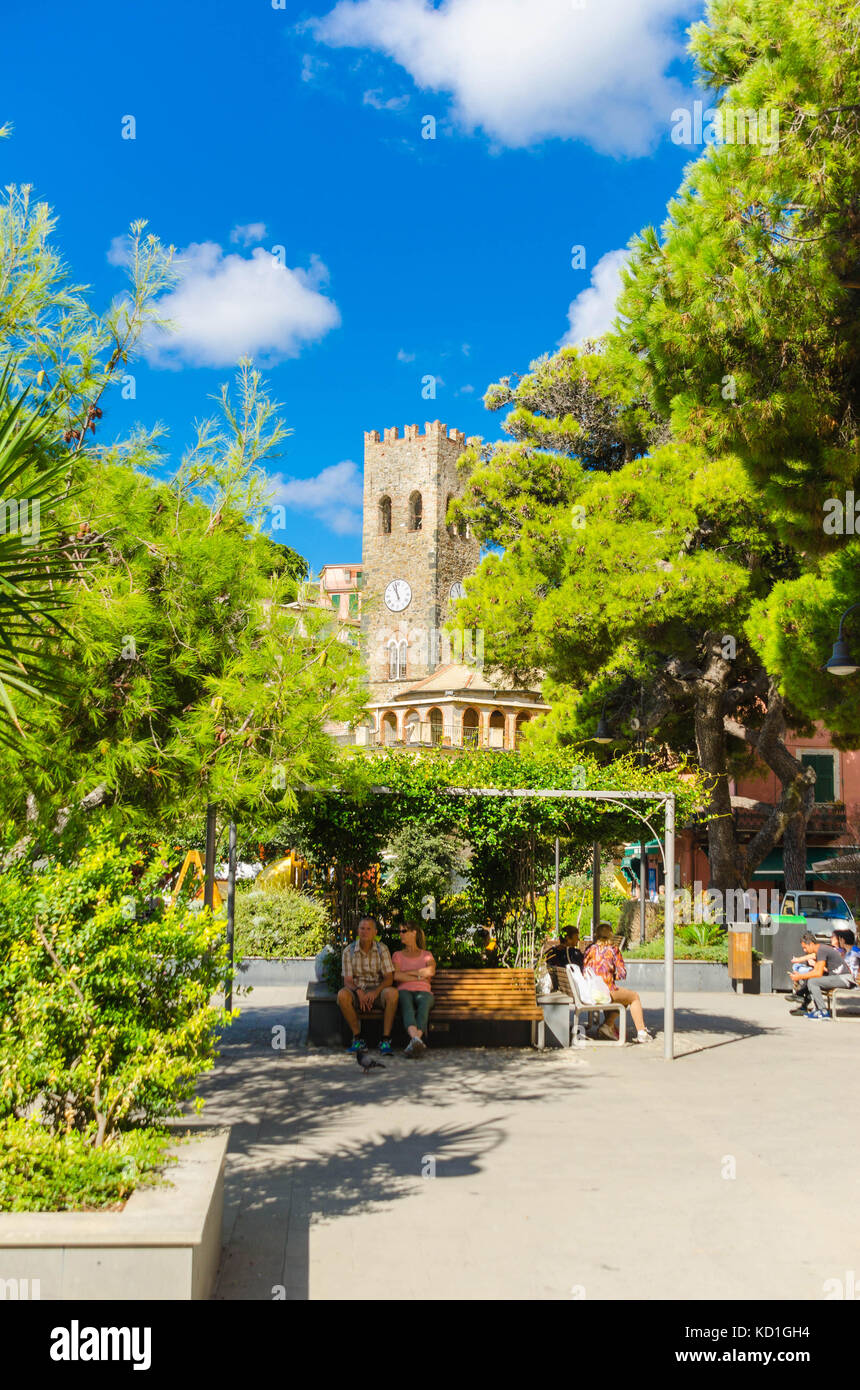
105, 993
41, 1171
282, 923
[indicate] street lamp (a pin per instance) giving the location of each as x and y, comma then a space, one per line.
841, 662
603, 735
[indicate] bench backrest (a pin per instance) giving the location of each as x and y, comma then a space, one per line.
484, 989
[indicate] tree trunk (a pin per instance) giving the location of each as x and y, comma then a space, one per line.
794, 841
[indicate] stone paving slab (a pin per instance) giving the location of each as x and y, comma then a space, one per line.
600, 1172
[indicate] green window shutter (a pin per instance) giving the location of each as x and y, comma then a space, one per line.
353, 605
823, 763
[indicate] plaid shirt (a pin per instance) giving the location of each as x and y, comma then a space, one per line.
368, 971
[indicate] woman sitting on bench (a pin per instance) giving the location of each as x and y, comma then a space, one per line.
414, 968
606, 960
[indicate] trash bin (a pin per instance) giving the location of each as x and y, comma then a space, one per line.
777, 938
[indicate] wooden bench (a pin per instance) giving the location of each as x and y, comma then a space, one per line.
484, 1007
505, 996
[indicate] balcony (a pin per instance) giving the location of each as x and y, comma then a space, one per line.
827, 821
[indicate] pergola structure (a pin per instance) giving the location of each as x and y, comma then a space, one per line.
667, 799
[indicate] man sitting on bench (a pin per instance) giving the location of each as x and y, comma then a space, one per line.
368, 979
830, 971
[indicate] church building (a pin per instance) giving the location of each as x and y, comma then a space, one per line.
425, 686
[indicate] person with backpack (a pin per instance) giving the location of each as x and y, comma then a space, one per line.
606, 960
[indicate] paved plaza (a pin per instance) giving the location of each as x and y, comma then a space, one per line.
595, 1173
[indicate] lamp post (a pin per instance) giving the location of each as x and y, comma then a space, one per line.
841, 662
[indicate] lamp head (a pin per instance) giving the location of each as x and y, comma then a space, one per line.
603, 735
841, 663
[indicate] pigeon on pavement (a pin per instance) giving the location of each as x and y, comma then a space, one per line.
366, 1062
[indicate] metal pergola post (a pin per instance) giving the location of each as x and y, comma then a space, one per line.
595, 889
231, 907
556, 885
669, 935
209, 864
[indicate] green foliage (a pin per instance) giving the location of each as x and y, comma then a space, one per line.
104, 992
684, 950
742, 318
34, 567
702, 934
423, 862
42, 1171
280, 923
661, 507
190, 675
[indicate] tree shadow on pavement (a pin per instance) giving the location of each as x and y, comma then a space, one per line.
284, 1106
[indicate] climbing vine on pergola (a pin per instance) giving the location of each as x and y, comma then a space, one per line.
511, 839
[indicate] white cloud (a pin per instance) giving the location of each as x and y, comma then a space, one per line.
119, 251
248, 234
312, 67
335, 495
528, 72
226, 306
404, 356
465, 391
375, 99
592, 312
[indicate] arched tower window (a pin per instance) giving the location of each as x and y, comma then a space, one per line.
416, 509
385, 516
397, 652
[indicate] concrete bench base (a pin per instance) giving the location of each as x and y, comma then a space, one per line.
165, 1244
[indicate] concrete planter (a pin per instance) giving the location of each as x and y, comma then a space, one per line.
165, 1244
707, 976
285, 970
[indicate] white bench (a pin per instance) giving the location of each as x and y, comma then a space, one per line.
580, 1008
843, 996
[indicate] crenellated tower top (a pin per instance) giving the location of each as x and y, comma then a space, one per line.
433, 429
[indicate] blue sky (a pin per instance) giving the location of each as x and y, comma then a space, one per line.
402, 257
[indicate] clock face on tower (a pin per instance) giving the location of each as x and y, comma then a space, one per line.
457, 591
398, 595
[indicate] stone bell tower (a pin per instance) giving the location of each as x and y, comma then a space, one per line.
411, 560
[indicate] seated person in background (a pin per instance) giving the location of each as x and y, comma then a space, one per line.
830, 971
845, 941
801, 967
414, 968
558, 954
606, 960
368, 980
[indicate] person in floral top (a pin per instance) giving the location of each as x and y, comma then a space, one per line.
605, 959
